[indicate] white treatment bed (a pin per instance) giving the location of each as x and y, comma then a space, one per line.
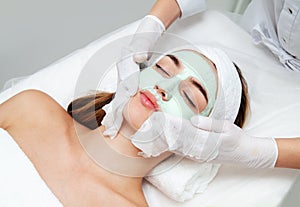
274, 103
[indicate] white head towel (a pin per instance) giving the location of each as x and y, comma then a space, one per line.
229, 85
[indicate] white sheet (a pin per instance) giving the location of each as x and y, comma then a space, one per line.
274, 103
20, 183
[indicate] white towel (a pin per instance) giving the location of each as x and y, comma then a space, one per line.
180, 179
20, 183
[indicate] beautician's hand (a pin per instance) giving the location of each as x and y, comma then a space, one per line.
128, 83
204, 139
128, 73
235, 146
148, 32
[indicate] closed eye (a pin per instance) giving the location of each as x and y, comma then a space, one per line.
162, 70
201, 89
189, 99
192, 95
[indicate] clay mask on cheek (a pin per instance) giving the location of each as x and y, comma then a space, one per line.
194, 65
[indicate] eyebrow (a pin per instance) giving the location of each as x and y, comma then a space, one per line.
201, 89
174, 59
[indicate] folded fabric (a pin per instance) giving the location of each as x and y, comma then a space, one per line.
180, 178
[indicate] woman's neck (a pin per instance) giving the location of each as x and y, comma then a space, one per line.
121, 143
103, 170
116, 155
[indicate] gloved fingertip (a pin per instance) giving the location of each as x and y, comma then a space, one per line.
158, 116
142, 154
133, 92
140, 58
111, 132
200, 121
209, 124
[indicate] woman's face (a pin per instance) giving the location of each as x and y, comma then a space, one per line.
182, 84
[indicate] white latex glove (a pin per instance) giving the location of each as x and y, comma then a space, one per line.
204, 139
145, 37
128, 83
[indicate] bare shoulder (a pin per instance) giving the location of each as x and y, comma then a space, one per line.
30, 107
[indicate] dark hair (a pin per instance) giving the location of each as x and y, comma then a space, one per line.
244, 106
88, 110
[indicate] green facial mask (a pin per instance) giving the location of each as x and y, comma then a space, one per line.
194, 65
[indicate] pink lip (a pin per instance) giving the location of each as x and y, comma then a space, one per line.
149, 100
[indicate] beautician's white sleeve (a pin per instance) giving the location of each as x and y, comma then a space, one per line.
288, 27
190, 7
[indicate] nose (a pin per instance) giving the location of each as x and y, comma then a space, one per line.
164, 87
164, 94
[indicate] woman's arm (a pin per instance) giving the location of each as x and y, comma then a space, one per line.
166, 10
169, 10
16, 110
1, 116
288, 153
7, 112
28, 108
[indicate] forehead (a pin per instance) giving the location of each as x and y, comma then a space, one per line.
189, 63
192, 58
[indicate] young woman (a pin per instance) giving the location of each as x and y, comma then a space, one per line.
80, 165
